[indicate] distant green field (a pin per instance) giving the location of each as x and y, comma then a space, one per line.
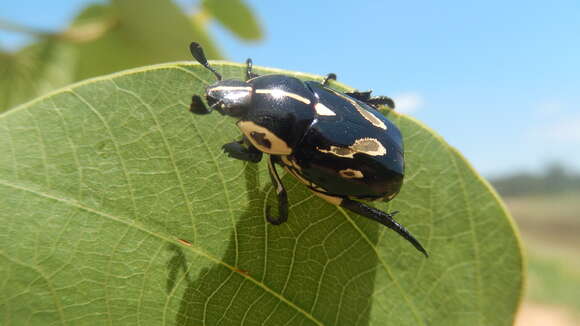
550, 227
554, 278
552, 219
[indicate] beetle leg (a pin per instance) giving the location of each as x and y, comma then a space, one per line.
381, 100
330, 76
372, 100
361, 96
197, 106
249, 73
282, 196
237, 150
385, 219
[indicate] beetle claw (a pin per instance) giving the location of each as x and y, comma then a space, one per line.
275, 220
385, 219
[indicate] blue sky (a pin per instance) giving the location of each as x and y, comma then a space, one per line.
499, 80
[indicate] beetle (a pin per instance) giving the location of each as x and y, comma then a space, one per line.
338, 144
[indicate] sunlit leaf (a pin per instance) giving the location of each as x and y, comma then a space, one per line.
146, 32
33, 71
102, 39
236, 16
119, 207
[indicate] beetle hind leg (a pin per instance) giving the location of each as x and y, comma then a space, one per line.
381, 100
385, 219
361, 96
372, 100
281, 193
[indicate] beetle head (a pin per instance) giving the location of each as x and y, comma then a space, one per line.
230, 97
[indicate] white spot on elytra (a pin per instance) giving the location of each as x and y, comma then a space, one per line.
369, 146
278, 93
322, 109
277, 145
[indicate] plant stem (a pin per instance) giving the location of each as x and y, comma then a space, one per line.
14, 27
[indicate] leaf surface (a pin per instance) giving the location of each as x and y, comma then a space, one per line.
103, 38
34, 70
144, 33
119, 207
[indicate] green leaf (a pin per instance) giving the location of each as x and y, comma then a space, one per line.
33, 71
119, 207
146, 32
236, 16
101, 40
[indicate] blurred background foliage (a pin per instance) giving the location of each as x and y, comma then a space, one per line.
106, 38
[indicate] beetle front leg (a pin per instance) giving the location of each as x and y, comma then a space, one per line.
385, 219
197, 106
282, 196
238, 151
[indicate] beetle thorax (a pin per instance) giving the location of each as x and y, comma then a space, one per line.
279, 114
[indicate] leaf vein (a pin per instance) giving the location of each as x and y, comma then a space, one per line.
171, 157
386, 268
134, 224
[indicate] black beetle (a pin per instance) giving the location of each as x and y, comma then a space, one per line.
337, 144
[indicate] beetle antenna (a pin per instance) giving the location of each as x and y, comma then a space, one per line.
197, 53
